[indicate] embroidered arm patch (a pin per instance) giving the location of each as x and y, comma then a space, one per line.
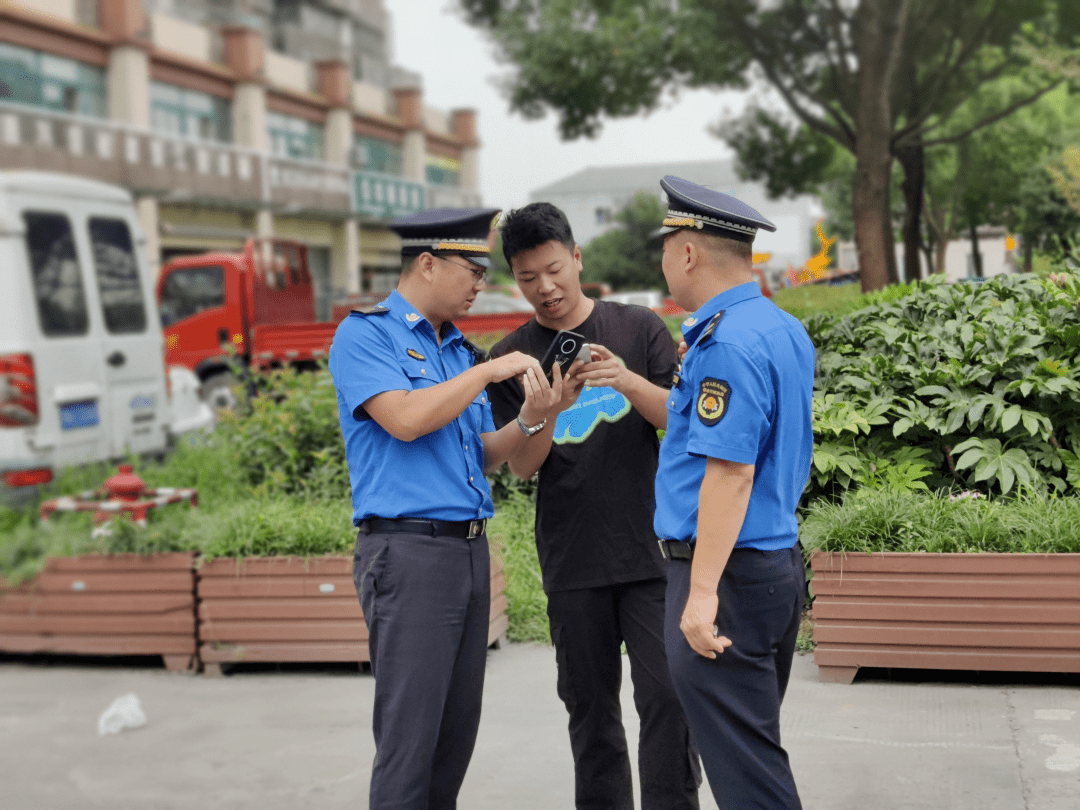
712, 400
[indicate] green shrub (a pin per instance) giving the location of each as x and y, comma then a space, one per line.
966, 385
512, 535
892, 519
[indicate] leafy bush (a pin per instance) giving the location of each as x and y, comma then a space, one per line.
511, 535
964, 385
893, 519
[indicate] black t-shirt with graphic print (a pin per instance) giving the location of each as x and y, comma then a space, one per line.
595, 501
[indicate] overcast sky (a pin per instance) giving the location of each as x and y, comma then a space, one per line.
459, 70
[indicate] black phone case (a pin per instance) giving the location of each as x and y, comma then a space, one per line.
563, 349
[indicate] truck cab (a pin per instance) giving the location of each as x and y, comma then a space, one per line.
212, 307
82, 376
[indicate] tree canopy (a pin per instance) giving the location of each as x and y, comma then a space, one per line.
627, 257
880, 78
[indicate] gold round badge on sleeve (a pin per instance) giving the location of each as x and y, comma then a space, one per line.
712, 400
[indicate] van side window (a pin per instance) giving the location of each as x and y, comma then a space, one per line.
118, 276
58, 287
189, 291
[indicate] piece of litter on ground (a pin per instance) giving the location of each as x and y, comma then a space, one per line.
125, 712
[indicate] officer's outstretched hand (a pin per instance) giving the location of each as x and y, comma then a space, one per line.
510, 365
544, 400
698, 624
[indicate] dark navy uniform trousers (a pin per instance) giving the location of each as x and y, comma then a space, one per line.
732, 702
426, 602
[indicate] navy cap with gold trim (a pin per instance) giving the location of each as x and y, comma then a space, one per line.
694, 206
442, 231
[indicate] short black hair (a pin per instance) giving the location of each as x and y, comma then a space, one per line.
532, 226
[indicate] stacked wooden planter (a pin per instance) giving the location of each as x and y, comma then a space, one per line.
1001, 612
125, 604
281, 609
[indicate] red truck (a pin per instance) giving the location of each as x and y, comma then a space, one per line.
224, 311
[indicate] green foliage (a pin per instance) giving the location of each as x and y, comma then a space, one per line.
512, 536
968, 385
627, 257
878, 520
286, 440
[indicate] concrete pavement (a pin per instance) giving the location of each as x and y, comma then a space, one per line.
287, 740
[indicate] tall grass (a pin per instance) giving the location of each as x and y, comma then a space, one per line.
511, 535
893, 520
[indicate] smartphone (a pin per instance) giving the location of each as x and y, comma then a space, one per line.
564, 350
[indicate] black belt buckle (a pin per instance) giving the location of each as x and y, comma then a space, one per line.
476, 528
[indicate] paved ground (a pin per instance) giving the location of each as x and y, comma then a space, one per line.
282, 740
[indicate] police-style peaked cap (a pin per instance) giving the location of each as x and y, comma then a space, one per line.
694, 206
447, 230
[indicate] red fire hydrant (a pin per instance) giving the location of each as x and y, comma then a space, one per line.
123, 492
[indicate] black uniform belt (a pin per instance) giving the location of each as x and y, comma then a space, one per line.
465, 529
676, 550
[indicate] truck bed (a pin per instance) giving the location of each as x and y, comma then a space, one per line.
278, 343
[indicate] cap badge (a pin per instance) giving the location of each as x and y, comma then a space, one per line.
414, 354
412, 317
712, 400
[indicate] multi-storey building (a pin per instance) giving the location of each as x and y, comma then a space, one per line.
233, 118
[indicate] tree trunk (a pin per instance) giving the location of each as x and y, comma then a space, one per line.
1029, 255
913, 161
873, 156
976, 257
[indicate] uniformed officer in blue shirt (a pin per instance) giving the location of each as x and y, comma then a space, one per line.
419, 435
733, 466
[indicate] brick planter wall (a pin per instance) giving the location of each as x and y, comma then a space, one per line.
1002, 612
283, 609
123, 604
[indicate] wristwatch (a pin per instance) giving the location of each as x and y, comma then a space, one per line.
529, 431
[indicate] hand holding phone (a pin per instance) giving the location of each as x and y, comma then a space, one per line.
565, 349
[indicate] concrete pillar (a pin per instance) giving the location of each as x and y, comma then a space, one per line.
244, 55
128, 74
463, 127
410, 109
345, 267
146, 208
334, 83
264, 223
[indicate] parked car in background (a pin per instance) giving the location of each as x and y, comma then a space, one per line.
82, 372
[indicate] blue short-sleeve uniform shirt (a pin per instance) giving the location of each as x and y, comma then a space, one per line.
439, 476
744, 395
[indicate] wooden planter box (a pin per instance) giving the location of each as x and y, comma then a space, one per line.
1004, 612
122, 604
284, 609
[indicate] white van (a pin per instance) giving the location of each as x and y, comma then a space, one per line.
82, 374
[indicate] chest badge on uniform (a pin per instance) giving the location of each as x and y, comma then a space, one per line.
414, 354
690, 322
412, 317
712, 400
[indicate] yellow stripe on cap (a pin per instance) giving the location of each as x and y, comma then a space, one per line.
683, 222
462, 246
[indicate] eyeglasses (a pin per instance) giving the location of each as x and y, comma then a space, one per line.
479, 275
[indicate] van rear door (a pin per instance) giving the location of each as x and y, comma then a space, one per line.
132, 344
74, 413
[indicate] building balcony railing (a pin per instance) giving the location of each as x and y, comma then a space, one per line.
175, 168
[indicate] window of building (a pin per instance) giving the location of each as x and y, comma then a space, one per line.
191, 113
295, 137
53, 82
118, 276
58, 286
604, 216
377, 156
190, 291
443, 171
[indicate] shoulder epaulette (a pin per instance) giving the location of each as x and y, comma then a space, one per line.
706, 333
378, 310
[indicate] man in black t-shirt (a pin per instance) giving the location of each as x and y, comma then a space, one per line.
602, 568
